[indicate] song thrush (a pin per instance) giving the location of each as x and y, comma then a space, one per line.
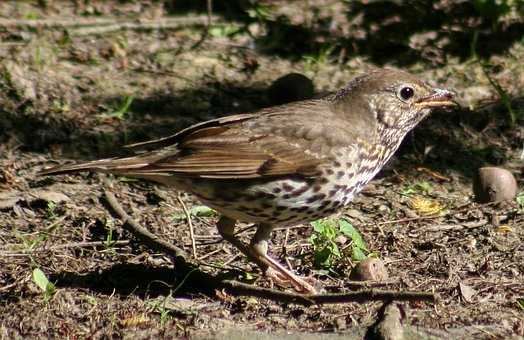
288, 164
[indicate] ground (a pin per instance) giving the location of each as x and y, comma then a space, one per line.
100, 75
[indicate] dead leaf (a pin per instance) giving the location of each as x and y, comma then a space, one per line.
425, 206
48, 196
466, 292
10, 198
504, 229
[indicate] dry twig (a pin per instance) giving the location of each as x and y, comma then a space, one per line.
191, 229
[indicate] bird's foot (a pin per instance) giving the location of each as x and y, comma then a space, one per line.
287, 279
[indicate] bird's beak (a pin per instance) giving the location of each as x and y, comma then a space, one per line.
437, 98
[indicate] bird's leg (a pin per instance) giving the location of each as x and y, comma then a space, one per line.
226, 229
257, 252
259, 247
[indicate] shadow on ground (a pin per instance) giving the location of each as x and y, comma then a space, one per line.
398, 32
137, 279
149, 117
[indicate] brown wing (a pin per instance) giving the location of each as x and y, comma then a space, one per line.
239, 146
227, 148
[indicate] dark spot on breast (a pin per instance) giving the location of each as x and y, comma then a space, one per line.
350, 174
323, 180
324, 205
286, 196
288, 218
330, 171
268, 196
266, 205
256, 210
276, 213
330, 211
281, 208
315, 198
332, 192
337, 164
277, 190
287, 187
340, 174
300, 191
317, 188
299, 209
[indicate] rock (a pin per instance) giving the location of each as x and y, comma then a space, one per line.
290, 88
492, 184
371, 269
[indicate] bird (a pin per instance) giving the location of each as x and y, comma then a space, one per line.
284, 165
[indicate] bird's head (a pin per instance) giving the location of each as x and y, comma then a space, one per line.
393, 101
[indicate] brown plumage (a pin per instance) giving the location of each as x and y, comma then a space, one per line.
288, 164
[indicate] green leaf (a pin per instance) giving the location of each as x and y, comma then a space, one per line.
520, 200
358, 254
122, 110
520, 303
222, 31
202, 211
197, 210
334, 250
42, 282
319, 226
347, 229
323, 258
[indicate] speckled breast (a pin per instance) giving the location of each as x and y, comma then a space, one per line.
286, 201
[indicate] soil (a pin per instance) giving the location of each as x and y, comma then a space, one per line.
99, 75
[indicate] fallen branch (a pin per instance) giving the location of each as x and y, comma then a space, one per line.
195, 278
89, 26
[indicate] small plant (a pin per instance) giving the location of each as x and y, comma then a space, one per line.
325, 246
485, 66
260, 12
503, 94
520, 303
197, 210
109, 242
314, 61
121, 111
224, 31
30, 243
41, 280
51, 207
160, 306
520, 201
421, 187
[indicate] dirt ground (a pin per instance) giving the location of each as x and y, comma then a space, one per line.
78, 80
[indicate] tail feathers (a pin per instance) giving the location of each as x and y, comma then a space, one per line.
110, 165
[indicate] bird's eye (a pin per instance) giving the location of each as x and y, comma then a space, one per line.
406, 93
